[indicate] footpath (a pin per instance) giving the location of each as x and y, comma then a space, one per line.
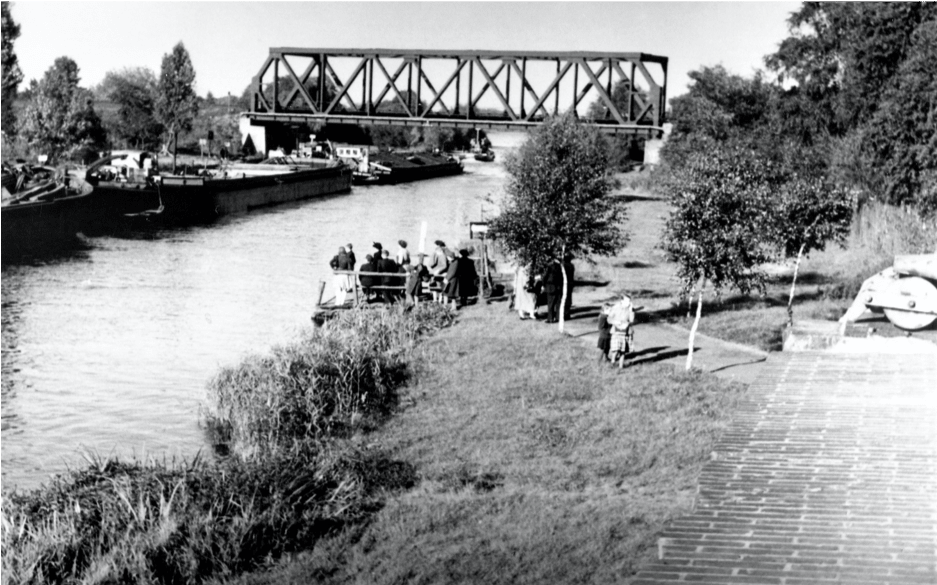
828, 474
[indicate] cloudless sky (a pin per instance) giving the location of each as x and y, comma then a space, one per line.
228, 41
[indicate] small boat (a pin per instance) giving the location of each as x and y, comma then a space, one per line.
485, 156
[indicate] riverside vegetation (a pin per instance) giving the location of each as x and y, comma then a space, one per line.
295, 472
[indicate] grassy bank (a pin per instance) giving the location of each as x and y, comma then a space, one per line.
294, 475
533, 463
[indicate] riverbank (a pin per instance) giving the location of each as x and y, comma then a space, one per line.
534, 464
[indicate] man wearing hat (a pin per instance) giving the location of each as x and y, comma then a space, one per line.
378, 249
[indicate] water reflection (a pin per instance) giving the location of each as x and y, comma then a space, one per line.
109, 347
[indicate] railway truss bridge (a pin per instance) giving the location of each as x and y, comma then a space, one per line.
622, 93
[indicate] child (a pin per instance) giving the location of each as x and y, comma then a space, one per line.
621, 316
605, 333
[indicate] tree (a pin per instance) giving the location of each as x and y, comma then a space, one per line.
716, 229
843, 55
12, 76
806, 214
60, 120
901, 139
134, 91
176, 101
557, 197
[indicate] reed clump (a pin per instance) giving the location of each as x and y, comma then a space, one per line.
294, 475
339, 377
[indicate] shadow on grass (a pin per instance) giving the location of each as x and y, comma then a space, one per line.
656, 354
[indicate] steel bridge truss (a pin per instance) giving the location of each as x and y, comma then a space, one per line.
470, 89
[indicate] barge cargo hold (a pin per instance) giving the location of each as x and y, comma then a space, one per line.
390, 168
240, 188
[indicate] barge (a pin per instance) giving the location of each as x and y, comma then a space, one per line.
45, 215
239, 188
390, 168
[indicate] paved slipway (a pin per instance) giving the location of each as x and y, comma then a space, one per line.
827, 474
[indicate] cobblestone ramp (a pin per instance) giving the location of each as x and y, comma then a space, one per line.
828, 474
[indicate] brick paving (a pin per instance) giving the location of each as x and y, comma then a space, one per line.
828, 474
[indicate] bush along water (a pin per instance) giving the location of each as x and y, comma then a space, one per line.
293, 476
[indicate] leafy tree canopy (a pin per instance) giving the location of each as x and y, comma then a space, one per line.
557, 196
60, 119
12, 76
134, 91
176, 102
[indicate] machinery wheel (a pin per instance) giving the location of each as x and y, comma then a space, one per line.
915, 289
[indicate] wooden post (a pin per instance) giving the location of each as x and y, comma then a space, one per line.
354, 286
321, 292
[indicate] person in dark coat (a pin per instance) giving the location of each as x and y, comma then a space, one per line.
605, 334
415, 277
570, 275
378, 252
351, 256
460, 280
387, 266
368, 281
553, 286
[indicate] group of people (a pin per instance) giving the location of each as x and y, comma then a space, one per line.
528, 289
449, 277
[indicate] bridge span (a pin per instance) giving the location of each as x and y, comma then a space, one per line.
622, 93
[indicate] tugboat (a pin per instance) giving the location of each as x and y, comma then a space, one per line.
485, 156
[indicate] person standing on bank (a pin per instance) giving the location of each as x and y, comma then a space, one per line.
351, 256
368, 281
418, 273
460, 280
437, 268
605, 333
343, 282
403, 255
570, 276
389, 267
553, 286
525, 294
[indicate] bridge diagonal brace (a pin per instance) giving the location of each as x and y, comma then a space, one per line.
644, 105
553, 85
498, 94
259, 84
588, 86
530, 90
603, 94
488, 82
391, 84
343, 92
438, 96
300, 88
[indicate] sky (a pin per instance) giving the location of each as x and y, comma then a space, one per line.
229, 41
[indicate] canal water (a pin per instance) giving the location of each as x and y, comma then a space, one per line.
108, 350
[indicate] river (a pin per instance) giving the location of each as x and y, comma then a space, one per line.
107, 350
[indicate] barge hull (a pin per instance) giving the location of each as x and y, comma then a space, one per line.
198, 198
